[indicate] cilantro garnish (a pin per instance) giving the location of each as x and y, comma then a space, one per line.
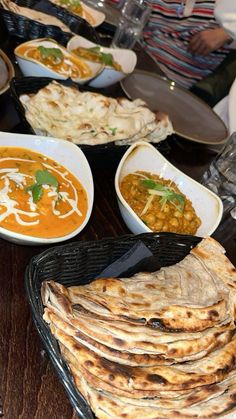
113, 131
54, 54
167, 194
42, 177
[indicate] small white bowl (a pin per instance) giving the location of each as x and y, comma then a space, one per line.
32, 67
125, 57
65, 153
143, 156
97, 16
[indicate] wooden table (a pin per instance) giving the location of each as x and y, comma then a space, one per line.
29, 386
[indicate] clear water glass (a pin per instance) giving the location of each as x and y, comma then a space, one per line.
134, 16
221, 175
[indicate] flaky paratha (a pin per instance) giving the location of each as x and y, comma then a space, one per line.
203, 403
91, 118
149, 381
140, 345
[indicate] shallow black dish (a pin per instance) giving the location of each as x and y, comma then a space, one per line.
26, 28
79, 263
104, 155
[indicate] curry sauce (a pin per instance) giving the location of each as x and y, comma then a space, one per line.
55, 59
39, 197
159, 203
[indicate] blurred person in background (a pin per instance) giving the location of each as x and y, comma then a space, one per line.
185, 39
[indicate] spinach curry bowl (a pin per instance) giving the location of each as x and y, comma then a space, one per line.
42, 200
153, 195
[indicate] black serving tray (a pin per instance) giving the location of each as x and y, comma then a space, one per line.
104, 155
23, 27
79, 263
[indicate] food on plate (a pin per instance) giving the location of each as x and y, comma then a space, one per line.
78, 8
156, 345
39, 197
159, 203
33, 14
91, 118
98, 56
56, 59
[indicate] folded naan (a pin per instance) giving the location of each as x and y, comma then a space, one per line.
40, 17
91, 118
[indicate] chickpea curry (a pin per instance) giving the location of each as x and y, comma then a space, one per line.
39, 197
159, 203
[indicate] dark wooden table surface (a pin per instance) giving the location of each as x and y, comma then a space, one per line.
29, 387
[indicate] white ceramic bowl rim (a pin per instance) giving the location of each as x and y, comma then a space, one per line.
40, 240
96, 68
131, 211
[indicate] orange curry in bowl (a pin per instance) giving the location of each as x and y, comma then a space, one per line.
38, 196
55, 59
159, 203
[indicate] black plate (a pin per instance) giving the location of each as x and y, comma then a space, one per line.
26, 28
105, 155
79, 263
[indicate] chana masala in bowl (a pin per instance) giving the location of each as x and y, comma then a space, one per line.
159, 203
154, 195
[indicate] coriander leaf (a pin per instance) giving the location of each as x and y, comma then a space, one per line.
43, 177
113, 131
37, 192
94, 49
107, 59
55, 53
151, 184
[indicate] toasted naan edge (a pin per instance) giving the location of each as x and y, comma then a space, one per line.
203, 402
91, 118
148, 380
40, 17
116, 349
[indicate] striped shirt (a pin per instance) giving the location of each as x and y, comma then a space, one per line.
167, 37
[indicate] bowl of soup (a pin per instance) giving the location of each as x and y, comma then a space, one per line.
153, 195
46, 58
46, 189
118, 63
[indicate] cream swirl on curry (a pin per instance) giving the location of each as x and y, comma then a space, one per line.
38, 196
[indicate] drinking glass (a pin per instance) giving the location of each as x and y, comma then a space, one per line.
134, 16
221, 174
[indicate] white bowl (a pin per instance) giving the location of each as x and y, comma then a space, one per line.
126, 58
143, 156
96, 15
32, 67
65, 153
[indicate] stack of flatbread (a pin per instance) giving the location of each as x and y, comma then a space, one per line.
33, 14
91, 118
156, 345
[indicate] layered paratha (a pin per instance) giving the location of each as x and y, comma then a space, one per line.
158, 345
91, 118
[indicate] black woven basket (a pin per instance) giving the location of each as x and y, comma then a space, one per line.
104, 155
79, 263
26, 28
